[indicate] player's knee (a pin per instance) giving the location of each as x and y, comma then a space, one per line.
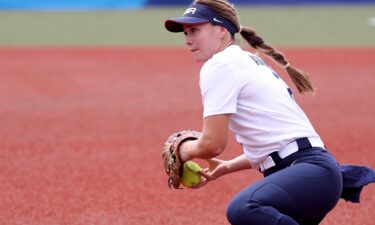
239, 212
232, 213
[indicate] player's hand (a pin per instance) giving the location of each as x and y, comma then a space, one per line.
216, 168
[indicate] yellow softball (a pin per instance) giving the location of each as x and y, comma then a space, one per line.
190, 174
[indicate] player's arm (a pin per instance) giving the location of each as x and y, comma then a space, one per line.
218, 168
212, 142
238, 163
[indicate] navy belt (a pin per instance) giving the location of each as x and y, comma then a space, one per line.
298, 145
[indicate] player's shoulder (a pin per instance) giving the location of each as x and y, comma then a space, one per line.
214, 67
228, 55
223, 59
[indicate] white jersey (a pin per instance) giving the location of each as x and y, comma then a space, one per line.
263, 114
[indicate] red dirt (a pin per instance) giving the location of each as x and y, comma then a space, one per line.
82, 130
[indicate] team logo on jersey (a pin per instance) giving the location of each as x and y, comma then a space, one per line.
190, 10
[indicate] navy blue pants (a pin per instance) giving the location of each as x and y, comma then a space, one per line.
301, 189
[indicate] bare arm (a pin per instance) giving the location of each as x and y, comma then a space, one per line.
218, 168
212, 142
238, 163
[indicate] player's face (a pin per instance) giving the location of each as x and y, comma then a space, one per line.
203, 40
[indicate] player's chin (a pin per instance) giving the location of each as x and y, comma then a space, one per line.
199, 58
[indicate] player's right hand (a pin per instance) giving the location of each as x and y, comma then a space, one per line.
216, 168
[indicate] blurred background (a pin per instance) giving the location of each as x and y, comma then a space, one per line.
331, 23
90, 89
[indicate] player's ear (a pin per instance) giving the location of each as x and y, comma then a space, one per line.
223, 32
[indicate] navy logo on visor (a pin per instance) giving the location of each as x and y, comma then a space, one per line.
190, 10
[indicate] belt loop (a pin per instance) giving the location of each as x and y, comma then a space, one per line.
275, 157
303, 143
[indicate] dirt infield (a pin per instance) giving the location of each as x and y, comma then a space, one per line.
82, 130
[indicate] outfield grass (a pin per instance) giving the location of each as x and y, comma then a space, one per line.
285, 27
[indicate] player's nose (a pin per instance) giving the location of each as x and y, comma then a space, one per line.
188, 41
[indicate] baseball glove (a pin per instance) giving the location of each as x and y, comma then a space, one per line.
173, 164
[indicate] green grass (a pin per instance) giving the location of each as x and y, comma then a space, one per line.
285, 27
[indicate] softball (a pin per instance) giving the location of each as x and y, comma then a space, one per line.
190, 174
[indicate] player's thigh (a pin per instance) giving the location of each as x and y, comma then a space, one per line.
303, 191
315, 190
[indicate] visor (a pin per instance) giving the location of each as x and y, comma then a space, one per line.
199, 14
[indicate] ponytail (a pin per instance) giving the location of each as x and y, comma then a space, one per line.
299, 78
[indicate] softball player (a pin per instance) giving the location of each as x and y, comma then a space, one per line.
240, 92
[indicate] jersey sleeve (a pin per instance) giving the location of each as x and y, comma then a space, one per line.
219, 89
